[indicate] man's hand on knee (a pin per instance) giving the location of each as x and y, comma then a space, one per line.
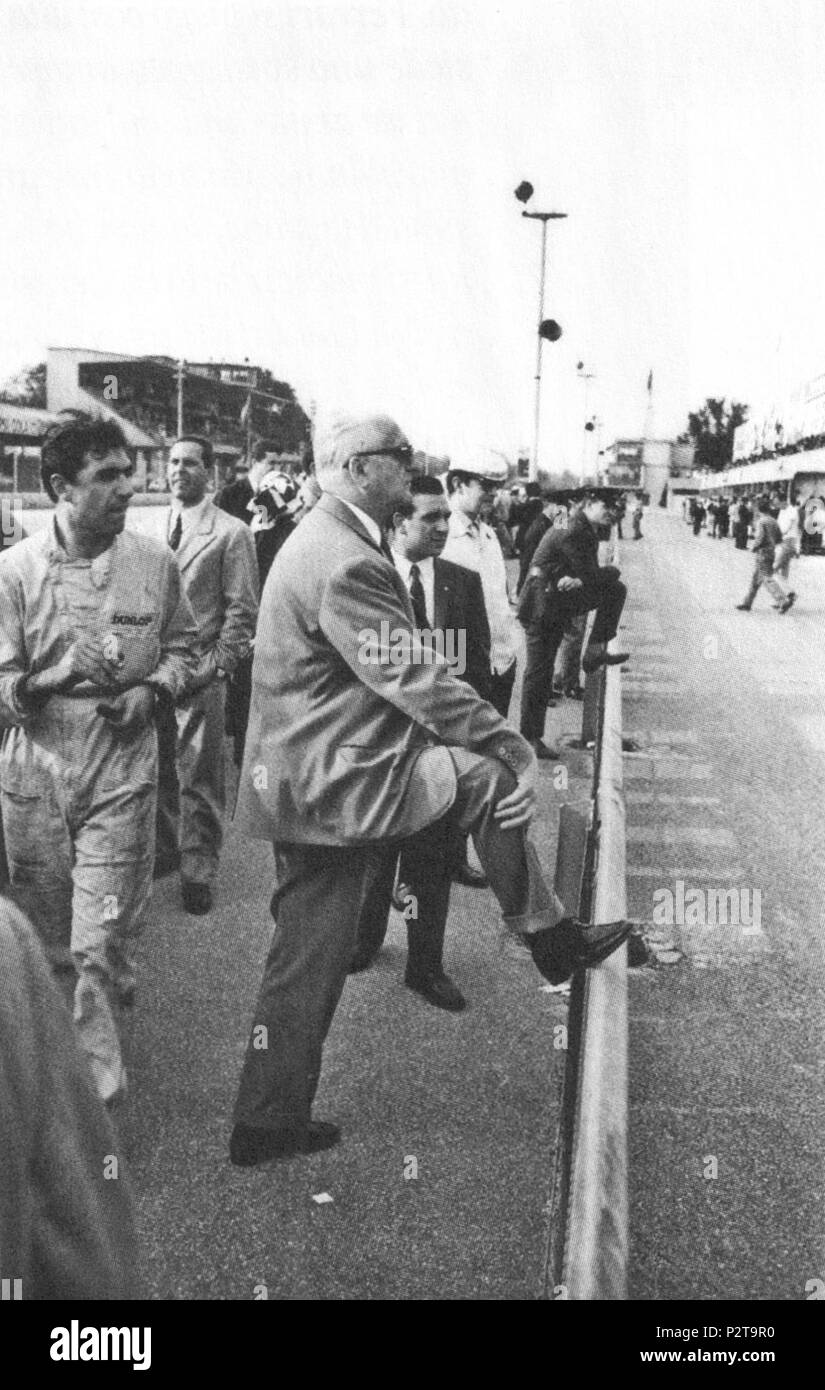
516, 809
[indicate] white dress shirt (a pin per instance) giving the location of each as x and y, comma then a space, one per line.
189, 516
788, 522
427, 571
372, 527
475, 545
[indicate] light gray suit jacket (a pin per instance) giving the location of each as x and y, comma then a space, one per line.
335, 731
219, 570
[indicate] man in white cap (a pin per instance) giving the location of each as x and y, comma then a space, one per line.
474, 544
360, 737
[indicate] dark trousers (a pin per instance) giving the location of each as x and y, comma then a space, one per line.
426, 869
545, 633
319, 897
500, 690
238, 697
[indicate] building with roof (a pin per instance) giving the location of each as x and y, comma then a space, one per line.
156, 398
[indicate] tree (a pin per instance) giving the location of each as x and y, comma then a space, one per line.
28, 387
711, 430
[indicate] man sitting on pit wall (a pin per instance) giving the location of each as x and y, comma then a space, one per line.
565, 578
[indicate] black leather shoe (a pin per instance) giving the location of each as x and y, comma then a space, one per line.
197, 897
544, 752
470, 877
438, 989
744, 607
249, 1145
558, 951
599, 656
789, 602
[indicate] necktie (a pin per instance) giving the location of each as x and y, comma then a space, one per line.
417, 596
176, 533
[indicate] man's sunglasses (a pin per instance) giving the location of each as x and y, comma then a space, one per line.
402, 454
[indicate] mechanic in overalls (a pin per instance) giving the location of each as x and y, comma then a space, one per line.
94, 629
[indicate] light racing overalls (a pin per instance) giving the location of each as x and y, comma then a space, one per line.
78, 797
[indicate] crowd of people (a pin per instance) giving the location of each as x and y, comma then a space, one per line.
354, 633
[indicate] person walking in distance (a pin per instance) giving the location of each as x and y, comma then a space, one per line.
788, 523
768, 537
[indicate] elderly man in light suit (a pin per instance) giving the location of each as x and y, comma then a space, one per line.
216, 557
359, 739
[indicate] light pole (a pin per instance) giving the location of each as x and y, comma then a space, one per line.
547, 328
180, 374
586, 377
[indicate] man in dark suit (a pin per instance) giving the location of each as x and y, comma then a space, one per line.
565, 578
360, 737
448, 606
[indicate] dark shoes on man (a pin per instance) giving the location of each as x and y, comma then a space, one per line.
250, 1145
558, 951
597, 655
437, 988
783, 607
197, 898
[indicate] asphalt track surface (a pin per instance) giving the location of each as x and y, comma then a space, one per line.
726, 1041
439, 1189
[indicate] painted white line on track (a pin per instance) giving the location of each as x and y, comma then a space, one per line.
687, 873
665, 833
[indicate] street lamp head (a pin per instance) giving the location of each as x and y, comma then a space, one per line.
549, 329
524, 192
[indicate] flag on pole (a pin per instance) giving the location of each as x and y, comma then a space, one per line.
650, 381
247, 410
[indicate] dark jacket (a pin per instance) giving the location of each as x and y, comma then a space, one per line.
459, 604
768, 536
573, 552
235, 499
268, 542
536, 531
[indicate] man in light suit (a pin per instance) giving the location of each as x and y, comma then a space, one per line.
448, 607
358, 738
216, 557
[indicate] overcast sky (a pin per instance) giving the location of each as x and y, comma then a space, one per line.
326, 188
